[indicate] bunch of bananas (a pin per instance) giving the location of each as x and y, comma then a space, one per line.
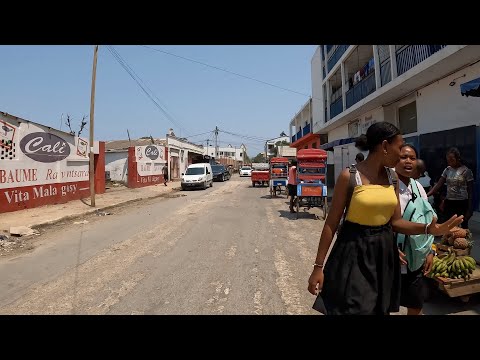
451, 266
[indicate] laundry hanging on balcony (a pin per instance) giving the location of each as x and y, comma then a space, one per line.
471, 88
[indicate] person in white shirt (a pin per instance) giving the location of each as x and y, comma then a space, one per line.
413, 285
424, 179
422, 175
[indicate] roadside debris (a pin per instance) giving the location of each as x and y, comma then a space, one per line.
22, 231
80, 222
102, 213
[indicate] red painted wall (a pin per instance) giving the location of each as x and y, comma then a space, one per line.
134, 180
99, 165
26, 197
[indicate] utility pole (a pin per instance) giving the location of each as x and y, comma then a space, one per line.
208, 148
216, 142
92, 111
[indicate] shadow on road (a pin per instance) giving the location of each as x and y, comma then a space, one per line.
301, 215
439, 303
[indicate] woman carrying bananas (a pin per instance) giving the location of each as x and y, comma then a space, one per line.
416, 256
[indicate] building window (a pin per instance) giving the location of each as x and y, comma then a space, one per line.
407, 118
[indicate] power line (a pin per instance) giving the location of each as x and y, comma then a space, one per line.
225, 70
248, 137
144, 87
208, 132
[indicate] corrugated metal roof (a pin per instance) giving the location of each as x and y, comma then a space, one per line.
125, 144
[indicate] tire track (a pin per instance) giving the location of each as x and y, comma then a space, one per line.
92, 281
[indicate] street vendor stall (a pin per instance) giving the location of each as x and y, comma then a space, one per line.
456, 273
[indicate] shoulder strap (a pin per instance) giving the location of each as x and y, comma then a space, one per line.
351, 186
415, 188
392, 177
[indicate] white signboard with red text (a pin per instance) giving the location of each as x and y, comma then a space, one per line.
40, 166
146, 166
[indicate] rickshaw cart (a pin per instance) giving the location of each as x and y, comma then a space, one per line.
278, 175
311, 179
260, 174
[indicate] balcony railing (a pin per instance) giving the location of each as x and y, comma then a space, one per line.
299, 135
306, 130
385, 72
293, 138
411, 55
337, 54
336, 107
361, 89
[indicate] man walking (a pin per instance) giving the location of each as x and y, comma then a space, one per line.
292, 184
165, 175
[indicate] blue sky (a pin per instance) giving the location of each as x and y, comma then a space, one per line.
39, 83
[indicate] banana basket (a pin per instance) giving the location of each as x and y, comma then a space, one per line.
441, 249
461, 287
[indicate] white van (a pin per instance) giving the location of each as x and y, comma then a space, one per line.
197, 175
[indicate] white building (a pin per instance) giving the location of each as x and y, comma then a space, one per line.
234, 153
178, 151
270, 145
181, 153
287, 151
415, 87
116, 156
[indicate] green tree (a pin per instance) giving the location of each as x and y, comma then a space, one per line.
259, 158
279, 143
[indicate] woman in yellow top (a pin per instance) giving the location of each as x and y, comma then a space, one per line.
362, 275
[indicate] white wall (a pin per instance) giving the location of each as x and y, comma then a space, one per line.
210, 151
368, 118
442, 107
344, 156
317, 91
340, 132
117, 164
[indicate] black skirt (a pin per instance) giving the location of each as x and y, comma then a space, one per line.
362, 274
414, 289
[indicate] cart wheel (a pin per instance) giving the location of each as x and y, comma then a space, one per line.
465, 298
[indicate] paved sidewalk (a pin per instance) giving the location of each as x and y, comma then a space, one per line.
50, 214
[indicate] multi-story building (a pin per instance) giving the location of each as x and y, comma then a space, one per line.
301, 129
415, 87
271, 144
228, 155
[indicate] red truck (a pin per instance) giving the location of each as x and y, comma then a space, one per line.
260, 174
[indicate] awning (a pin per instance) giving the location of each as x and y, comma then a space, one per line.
329, 146
471, 88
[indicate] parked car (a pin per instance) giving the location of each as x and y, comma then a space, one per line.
220, 173
245, 171
197, 175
